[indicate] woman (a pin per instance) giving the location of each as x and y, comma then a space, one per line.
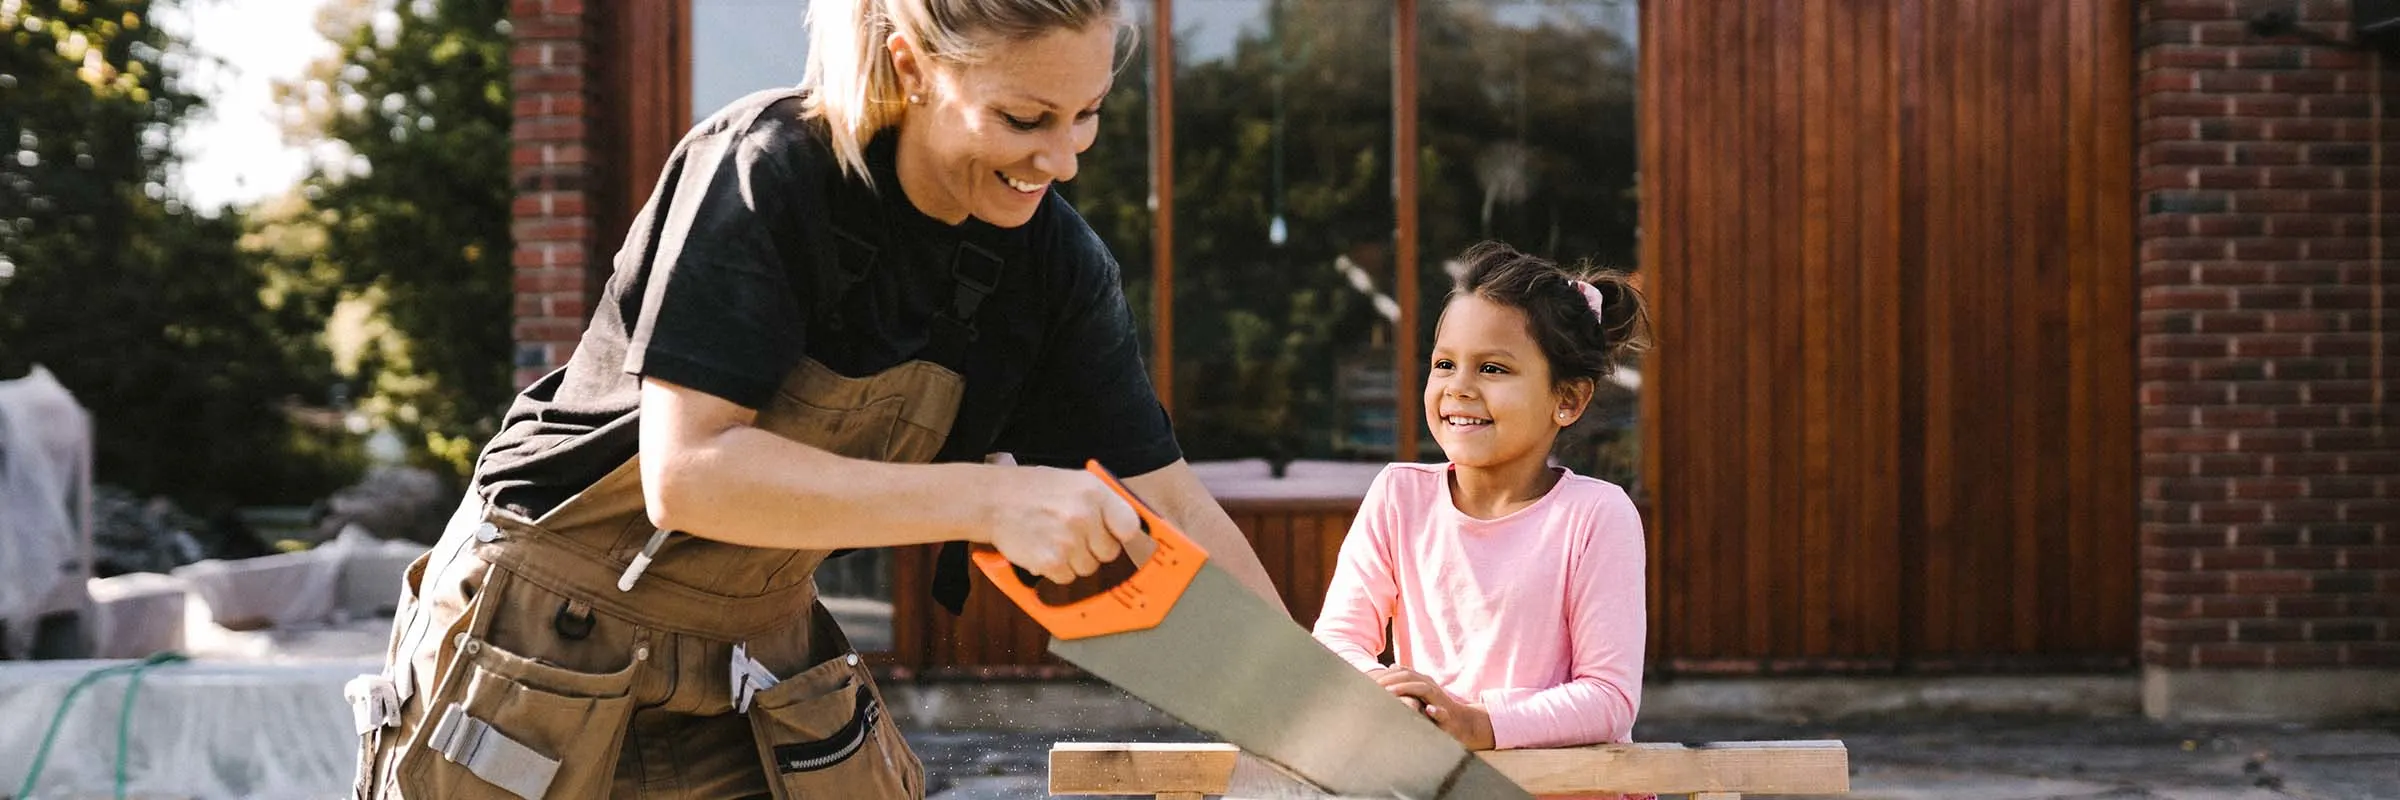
839, 299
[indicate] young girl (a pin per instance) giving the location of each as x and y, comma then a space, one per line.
1513, 587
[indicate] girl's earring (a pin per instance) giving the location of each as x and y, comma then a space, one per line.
915, 99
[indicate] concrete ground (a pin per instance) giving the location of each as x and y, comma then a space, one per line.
1960, 757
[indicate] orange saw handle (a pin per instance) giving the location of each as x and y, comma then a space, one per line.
1139, 603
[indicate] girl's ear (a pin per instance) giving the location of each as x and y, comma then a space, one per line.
1573, 399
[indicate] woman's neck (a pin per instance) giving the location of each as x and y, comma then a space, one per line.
921, 184
1500, 490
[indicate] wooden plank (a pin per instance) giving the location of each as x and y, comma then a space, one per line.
1793, 767
2079, 181
1653, 158
1915, 224
1980, 42
2052, 495
1875, 597
1798, 767
1938, 255
1765, 545
1696, 525
2022, 336
1832, 337
1080, 768
2112, 340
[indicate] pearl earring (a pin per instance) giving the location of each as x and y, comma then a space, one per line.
915, 99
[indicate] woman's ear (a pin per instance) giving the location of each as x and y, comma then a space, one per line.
907, 66
1573, 399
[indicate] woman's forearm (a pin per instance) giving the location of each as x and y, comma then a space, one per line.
747, 486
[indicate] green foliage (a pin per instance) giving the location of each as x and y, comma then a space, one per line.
153, 315
418, 221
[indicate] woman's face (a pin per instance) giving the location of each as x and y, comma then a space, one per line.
988, 138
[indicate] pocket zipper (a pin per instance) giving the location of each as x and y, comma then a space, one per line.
831, 750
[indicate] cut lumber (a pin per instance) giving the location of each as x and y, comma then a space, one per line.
1725, 768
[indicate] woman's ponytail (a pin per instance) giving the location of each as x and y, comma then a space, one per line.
851, 82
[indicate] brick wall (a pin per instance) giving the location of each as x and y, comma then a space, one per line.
2267, 342
557, 183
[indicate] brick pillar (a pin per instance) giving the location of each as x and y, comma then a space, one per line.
2270, 557
555, 178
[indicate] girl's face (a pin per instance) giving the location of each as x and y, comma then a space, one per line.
990, 137
1488, 393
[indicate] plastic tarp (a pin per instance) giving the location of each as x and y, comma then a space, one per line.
353, 575
196, 730
45, 504
136, 614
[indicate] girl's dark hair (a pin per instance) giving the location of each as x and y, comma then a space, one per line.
1579, 344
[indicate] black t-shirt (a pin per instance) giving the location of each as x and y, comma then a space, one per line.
719, 289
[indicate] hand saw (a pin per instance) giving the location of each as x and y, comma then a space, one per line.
1183, 636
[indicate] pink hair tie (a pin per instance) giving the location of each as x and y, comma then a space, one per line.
1591, 297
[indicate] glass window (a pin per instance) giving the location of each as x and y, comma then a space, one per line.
1283, 229
1528, 136
743, 46
1112, 180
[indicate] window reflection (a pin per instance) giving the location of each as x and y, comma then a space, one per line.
1112, 181
1283, 229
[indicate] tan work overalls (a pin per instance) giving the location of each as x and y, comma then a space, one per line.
527, 659
518, 669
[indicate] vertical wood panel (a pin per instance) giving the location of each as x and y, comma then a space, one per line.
2112, 339
1765, 557
1891, 411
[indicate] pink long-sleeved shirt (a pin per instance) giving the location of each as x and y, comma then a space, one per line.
1538, 615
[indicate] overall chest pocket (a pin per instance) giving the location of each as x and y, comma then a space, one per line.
900, 415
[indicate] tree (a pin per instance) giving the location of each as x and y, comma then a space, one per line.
152, 314
417, 220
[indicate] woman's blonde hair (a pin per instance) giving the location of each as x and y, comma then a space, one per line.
851, 82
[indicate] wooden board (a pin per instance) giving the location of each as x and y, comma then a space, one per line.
1106, 768
1793, 767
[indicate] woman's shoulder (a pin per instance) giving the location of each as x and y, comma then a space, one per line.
771, 126
1060, 237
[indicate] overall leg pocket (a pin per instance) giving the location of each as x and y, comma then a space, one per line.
505, 726
824, 733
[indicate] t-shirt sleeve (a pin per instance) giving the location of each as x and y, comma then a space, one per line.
717, 310
1089, 396
1365, 588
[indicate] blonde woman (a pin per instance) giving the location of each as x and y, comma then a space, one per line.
838, 300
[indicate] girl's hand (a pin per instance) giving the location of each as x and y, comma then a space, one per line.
1057, 523
1463, 720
